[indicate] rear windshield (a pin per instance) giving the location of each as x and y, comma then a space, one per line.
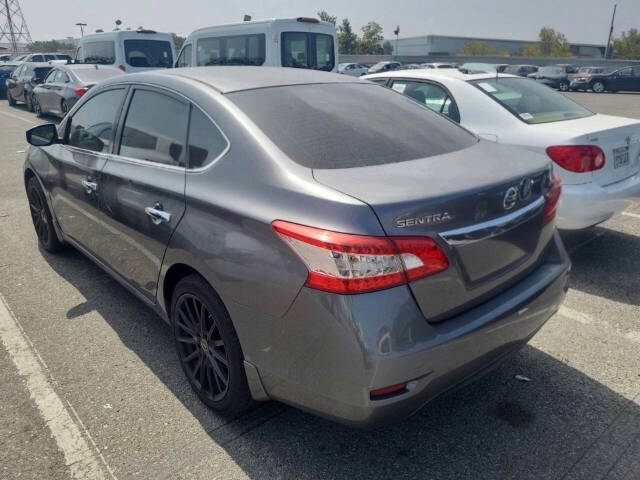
531, 101
148, 53
93, 75
103, 53
349, 125
308, 50
61, 56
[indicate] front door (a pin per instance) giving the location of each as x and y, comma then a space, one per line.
143, 185
77, 180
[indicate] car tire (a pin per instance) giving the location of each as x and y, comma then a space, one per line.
598, 87
28, 101
563, 86
37, 108
205, 337
64, 108
41, 217
10, 99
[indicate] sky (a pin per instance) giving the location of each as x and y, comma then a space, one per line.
582, 21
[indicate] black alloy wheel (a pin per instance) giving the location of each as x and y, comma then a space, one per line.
37, 108
42, 221
563, 86
28, 100
208, 347
63, 107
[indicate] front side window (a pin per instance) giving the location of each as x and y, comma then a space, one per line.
103, 53
40, 73
184, 60
530, 101
625, 72
49, 57
92, 127
148, 53
37, 58
51, 77
432, 96
307, 50
344, 125
155, 129
206, 141
236, 50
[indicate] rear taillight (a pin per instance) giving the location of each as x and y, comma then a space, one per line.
345, 263
122, 67
386, 392
552, 197
80, 91
577, 158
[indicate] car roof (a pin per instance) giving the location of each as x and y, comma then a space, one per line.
233, 79
429, 74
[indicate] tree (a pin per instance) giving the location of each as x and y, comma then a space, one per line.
477, 48
553, 44
49, 46
325, 17
369, 44
531, 50
178, 41
628, 45
347, 40
387, 48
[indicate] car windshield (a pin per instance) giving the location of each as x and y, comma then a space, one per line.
530, 101
148, 53
551, 71
41, 72
346, 125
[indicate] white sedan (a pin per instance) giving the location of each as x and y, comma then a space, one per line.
597, 156
352, 69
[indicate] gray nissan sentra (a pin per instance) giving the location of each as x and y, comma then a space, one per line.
310, 237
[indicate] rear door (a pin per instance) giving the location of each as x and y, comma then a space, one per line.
144, 182
56, 91
44, 91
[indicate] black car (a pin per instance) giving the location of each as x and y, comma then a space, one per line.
521, 70
626, 79
5, 72
556, 76
23, 80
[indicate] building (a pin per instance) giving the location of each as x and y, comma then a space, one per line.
443, 46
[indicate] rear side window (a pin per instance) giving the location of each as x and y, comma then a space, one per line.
92, 127
184, 60
103, 53
41, 72
432, 96
349, 125
155, 129
206, 141
308, 50
148, 53
37, 58
236, 50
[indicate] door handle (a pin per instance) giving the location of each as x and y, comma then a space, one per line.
157, 214
89, 186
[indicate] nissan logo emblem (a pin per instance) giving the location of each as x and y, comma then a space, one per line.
510, 198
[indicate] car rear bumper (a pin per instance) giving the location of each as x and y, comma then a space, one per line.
582, 206
330, 351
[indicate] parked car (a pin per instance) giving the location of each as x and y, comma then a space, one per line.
19, 59
624, 79
46, 57
128, 50
311, 238
521, 70
411, 66
576, 80
5, 58
500, 67
23, 80
555, 76
5, 72
66, 84
384, 67
597, 156
475, 67
353, 69
439, 65
301, 42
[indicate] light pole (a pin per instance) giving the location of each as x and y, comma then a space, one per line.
81, 25
396, 32
607, 51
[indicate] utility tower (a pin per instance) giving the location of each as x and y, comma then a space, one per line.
13, 27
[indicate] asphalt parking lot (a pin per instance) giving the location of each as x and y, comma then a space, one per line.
84, 359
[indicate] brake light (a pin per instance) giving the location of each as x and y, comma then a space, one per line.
552, 197
80, 91
308, 20
577, 158
122, 67
386, 392
347, 264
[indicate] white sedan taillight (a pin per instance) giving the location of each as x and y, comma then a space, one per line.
345, 263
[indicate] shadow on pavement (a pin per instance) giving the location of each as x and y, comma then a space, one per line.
560, 423
606, 264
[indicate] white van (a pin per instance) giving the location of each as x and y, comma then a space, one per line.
283, 42
129, 50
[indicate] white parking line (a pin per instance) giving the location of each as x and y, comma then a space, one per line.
629, 214
79, 458
26, 120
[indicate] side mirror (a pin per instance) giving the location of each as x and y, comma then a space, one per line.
42, 135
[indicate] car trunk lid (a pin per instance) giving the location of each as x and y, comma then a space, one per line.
482, 204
